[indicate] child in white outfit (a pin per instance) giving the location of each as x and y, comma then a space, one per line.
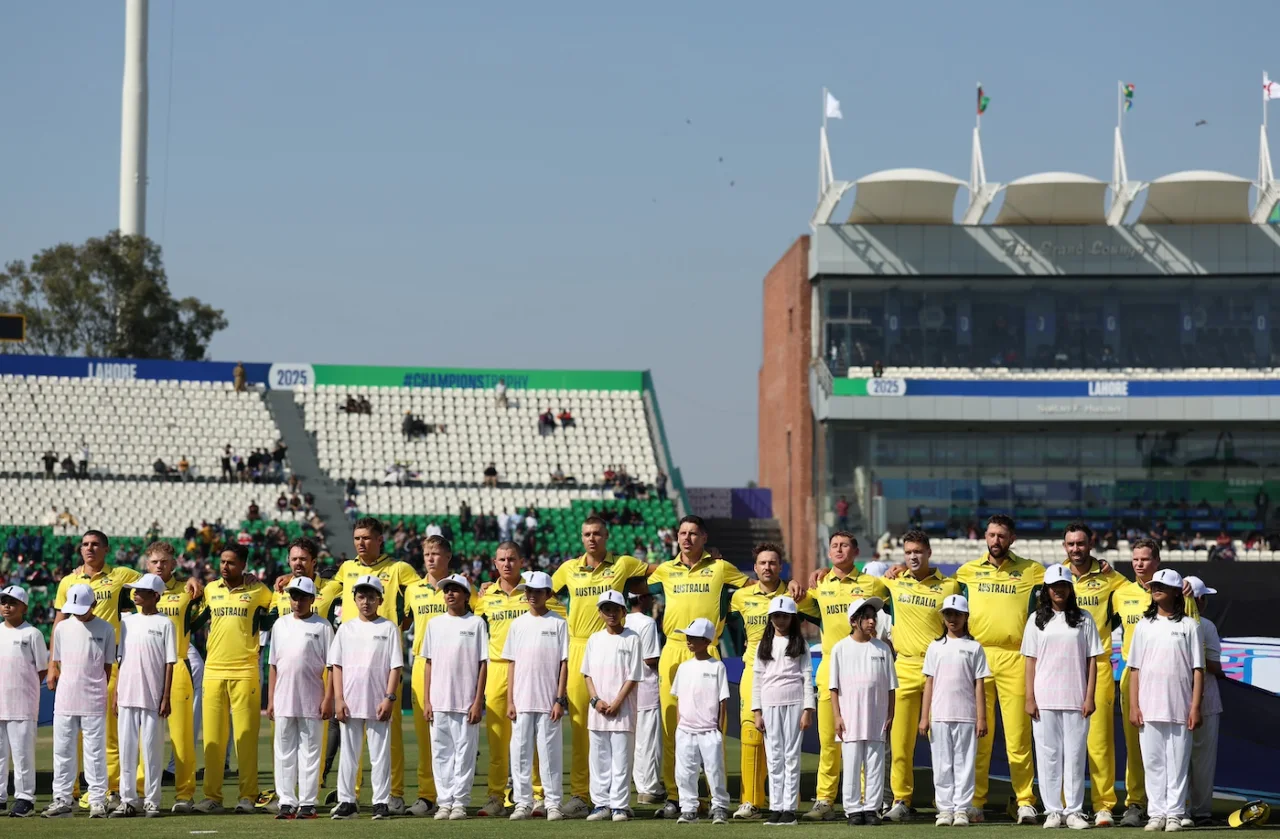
1204, 740
954, 709
24, 660
613, 666
783, 699
701, 689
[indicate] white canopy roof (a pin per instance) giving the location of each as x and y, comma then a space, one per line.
1053, 198
1197, 197
905, 196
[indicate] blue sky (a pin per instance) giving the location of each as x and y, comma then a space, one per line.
511, 184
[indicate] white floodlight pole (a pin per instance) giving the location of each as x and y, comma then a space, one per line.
133, 122
981, 193
1268, 187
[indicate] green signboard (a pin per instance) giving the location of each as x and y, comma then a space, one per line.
849, 387
357, 376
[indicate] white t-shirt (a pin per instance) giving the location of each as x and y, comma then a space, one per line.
535, 647
647, 628
955, 665
1165, 653
784, 680
1064, 657
700, 687
300, 653
83, 651
1211, 702
863, 674
367, 652
147, 644
611, 661
23, 655
455, 646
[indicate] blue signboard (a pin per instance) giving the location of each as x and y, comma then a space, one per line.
129, 369
1046, 388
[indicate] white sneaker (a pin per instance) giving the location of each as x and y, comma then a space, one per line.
1172, 825
113, 801
623, 815
974, 815
1104, 819
600, 814
443, 813
59, 810
493, 808
183, 808
244, 807
747, 812
961, 819
1077, 821
555, 814
1186, 821
421, 807
150, 811
576, 808
395, 806
97, 811
821, 811
1154, 825
1026, 814
1052, 821
520, 813
539, 808
458, 813
899, 812
944, 819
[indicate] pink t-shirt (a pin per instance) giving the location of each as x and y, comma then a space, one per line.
783, 680
22, 656
148, 643
367, 652
83, 651
1063, 657
699, 687
535, 647
1165, 653
647, 628
611, 661
863, 674
955, 664
1211, 702
455, 646
299, 652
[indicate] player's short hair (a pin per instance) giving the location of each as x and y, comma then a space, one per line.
241, 551
1147, 542
510, 546
106, 543
596, 520
439, 541
846, 534
308, 545
1001, 520
764, 547
159, 549
696, 521
919, 537
369, 523
1078, 526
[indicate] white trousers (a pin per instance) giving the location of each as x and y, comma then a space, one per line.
140, 728
1166, 759
647, 769
1204, 763
857, 756
782, 742
536, 731
297, 760
610, 762
453, 757
1062, 759
697, 752
18, 745
94, 731
953, 746
378, 734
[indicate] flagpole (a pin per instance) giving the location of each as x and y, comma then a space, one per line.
1120, 106
978, 123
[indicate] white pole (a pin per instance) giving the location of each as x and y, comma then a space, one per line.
1265, 96
1120, 106
978, 109
133, 122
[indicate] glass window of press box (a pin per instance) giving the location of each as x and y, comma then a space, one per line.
1063, 323
1190, 480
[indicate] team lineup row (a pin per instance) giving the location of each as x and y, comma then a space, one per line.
625, 728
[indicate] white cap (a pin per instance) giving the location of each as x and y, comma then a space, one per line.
148, 582
16, 592
957, 602
700, 628
1168, 577
456, 580
80, 599
1198, 587
857, 605
1058, 574
302, 584
368, 581
611, 596
537, 579
875, 568
782, 605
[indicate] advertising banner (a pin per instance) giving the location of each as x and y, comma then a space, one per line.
1054, 388
360, 376
128, 369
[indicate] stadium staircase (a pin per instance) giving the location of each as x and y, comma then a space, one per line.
329, 494
736, 538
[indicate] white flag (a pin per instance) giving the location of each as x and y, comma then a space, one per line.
1270, 89
833, 107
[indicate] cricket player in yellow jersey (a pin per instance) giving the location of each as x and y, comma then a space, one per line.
582, 581
499, 603
1001, 587
833, 594
110, 598
915, 604
1095, 582
236, 611
751, 603
1129, 602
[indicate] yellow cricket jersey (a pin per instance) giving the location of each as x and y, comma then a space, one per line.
1093, 594
328, 595
396, 577
752, 604
915, 607
1129, 602
584, 585
702, 591
176, 604
235, 616
833, 596
499, 609
424, 601
110, 595
1000, 599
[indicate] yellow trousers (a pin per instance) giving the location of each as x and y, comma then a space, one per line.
422, 731
498, 732
752, 741
906, 722
1008, 685
241, 700
673, 655
829, 754
1135, 778
1102, 739
579, 705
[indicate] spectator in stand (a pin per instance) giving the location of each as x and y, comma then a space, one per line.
557, 477
364, 406
877, 369
225, 457
1261, 504
660, 484
50, 461
842, 513
238, 377
500, 394
84, 459
282, 505
464, 515
162, 469
1224, 550
406, 425
277, 458
566, 419
351, 509
491, 472
609, 475
244, 538
68, 467
350, 406
184, 468
67, 522
255, 514
242, 469
295, 504
546, 423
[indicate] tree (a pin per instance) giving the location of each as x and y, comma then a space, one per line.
107, 298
